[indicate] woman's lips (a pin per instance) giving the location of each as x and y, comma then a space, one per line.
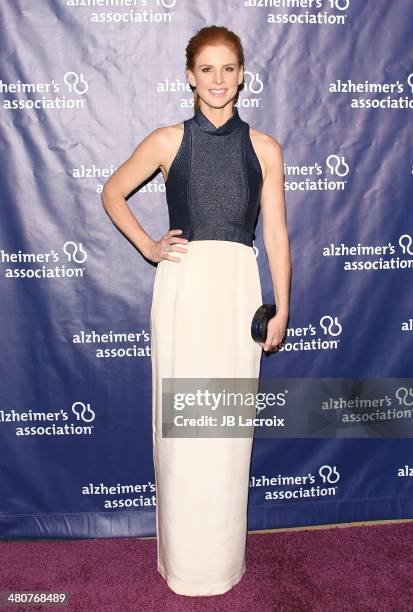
218, 92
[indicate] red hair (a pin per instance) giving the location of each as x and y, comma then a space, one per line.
212, 35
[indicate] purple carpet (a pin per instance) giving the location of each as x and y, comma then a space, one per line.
354, 569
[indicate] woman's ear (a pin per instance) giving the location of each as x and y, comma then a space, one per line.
241, 75
190, 77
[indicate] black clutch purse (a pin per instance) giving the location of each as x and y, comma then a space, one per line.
260, 321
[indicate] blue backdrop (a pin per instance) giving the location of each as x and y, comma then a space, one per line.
82, 83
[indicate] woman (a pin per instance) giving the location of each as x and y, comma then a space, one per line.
207, 287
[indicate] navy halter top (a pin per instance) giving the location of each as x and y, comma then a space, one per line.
214, 184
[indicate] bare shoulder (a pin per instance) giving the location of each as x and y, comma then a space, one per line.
165, 137
150, 155
164, 134
267, 148
168, 139
264, 140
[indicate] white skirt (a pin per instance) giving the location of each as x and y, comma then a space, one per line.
201, 316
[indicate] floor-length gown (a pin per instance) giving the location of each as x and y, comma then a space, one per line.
201, 317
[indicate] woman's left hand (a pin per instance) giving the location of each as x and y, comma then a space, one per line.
276, 329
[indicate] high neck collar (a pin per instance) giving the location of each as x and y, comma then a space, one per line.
226, 128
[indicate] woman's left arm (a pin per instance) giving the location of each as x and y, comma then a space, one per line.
275, 237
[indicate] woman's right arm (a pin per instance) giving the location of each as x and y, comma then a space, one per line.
144, 161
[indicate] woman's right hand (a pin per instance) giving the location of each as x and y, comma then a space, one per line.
161, 249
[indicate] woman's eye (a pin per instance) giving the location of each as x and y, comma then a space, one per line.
229, 68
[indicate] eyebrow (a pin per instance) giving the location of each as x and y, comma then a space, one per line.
203, 65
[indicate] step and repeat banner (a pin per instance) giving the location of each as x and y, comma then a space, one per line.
82, 83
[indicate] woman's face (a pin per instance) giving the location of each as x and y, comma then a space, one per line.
216, 75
